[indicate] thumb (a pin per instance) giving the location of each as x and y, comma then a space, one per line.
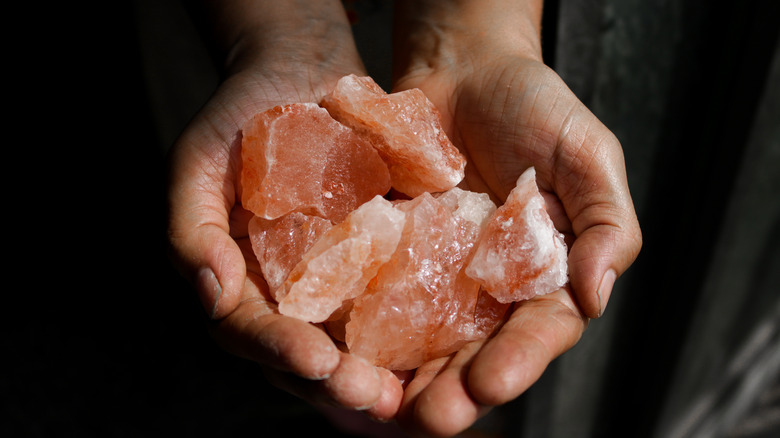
608, 237
597, 258
200, 197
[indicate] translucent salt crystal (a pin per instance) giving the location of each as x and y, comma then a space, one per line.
471, 206
405, 128
420, 305
279, 244
520, 254
342, 262
297, 158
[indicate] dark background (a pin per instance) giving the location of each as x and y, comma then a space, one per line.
102, 338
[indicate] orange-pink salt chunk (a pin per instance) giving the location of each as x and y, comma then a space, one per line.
421, 305
473, 210
342, 262
297, 158
279, 244
406, 129
520, 254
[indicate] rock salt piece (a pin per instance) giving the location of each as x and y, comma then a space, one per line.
405, 128
297, 158
472, 206
413, 310
472, 210
342, 262
520, 254
279, 244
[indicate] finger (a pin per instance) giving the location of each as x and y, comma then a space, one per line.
354, 384
256, 331
200, 195
423, 377
389, 402
445, 407
538, 331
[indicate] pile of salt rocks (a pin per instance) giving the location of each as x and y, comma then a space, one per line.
358, 225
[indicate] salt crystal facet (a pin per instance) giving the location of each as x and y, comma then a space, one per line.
405, 128
342, 262
420, 305
279, 244
297, 158
520, 254
471, 206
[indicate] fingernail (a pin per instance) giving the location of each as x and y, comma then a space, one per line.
605, 289
209, 289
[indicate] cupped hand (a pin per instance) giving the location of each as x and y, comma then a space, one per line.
209, 244
507, 112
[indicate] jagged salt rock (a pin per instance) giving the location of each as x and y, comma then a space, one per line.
520, 254
340, 264
405, 128
279, 244
421, 305
472, 208
297, 158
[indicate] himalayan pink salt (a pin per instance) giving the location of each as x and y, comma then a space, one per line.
467, 205
279, 244
405, 128
420, 305
520, 254
297, 158
342, 262
471, 209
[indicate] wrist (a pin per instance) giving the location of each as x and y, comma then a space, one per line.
285, 36
436, 34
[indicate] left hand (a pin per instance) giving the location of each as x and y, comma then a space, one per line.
507, 111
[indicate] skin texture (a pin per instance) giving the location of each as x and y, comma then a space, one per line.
479, 62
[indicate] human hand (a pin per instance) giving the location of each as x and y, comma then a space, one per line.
481, 66
277, 53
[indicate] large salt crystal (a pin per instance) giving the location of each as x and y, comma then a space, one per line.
405, 128
470, 209
340, 264
520, 254
297, 158
421, 305
279, 244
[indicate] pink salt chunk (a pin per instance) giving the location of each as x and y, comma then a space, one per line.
405, 128
488, 313
279, 244
420, 306
342, 262
520, 254
297, 158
